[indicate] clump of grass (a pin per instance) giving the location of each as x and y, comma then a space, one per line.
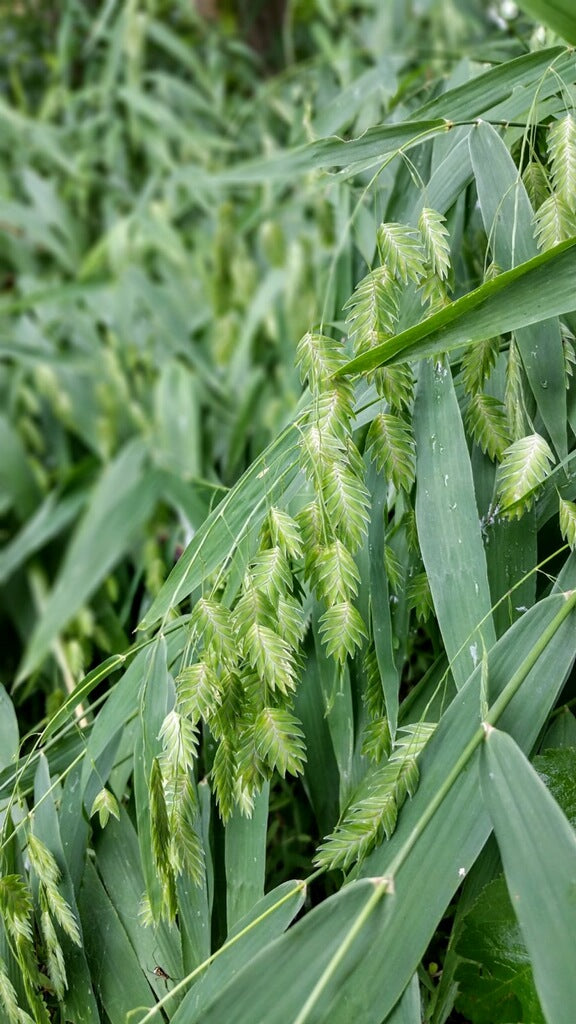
349, 556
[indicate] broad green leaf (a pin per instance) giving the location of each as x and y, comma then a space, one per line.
49, 520
321, 776
380, 599
371, 147
118, 865
18, 488
195, 901
557, 14
439, 850
538, 848
245, 856
527, 294
337, 706
121, 705
302, 953
117, 509
60, 293
408, 1009
448, 180
379, 81
510, 551
495, 981
9, 737
485, 869
176, 443
504, 93
560, 733
116, 974
448, 523
252, 934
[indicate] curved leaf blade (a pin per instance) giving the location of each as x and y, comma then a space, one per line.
533, 291
538, 848
449, 525
117, 509
557, 14
504, 93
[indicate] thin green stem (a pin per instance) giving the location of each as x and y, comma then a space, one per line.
184, 983
381, 886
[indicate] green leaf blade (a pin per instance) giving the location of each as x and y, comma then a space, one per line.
448, 523
538, 849
541, 288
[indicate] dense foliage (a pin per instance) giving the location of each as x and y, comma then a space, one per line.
287, 316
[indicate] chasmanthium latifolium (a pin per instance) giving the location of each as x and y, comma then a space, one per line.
246, 643
17, 906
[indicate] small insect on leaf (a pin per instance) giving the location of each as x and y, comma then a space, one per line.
159, 972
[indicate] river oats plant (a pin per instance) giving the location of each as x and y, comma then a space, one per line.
332, 776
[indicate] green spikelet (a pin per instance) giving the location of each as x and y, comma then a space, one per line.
525, 466
372, 814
